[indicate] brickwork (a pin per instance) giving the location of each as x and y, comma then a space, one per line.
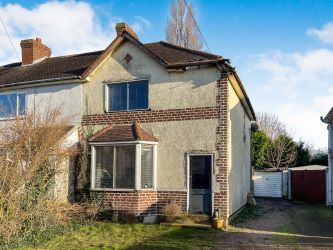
199, 113
33, 50
141, 202
221, 199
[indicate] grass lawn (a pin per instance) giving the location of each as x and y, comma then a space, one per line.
103, 235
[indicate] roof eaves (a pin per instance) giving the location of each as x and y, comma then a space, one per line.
49, 80
113, 45
329, 117
193, 51
247, 99
197, 63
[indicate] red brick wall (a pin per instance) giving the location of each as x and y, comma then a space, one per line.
140, 202
128, 117
33, 50
221, 199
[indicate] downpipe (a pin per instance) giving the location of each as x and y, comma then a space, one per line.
329, 179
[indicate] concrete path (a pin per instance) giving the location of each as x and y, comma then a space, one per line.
280, 224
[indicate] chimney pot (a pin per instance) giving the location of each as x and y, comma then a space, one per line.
122, 27
34, 50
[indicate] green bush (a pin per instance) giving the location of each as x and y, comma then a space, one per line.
260, 143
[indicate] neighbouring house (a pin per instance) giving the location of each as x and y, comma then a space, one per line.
329, 182
169, 124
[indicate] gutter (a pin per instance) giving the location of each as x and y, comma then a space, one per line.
175, 65
329, 179
50, 80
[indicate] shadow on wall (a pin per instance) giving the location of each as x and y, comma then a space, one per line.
240, 151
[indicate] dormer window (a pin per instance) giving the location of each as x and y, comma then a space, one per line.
127, 96
12, 105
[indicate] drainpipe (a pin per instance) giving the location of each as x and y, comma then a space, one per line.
329, 179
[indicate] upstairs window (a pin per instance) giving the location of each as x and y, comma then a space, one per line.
12, 105
128, 96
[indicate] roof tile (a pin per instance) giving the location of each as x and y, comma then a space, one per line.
119, 133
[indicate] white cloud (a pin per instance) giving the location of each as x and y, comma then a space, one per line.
64, 26
299, 86
141, 24
313, 68
304, 120
325, 34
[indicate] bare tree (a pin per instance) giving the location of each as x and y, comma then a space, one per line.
281, 153
181, 29
271, 125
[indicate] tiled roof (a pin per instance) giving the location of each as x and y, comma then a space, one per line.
73, 66
173, 54
49, 68
118, 133
329, 117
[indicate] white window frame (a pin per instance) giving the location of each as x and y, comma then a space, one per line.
17, 104
107, 96
137, 181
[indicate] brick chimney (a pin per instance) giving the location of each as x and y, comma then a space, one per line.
33, 50
121, 27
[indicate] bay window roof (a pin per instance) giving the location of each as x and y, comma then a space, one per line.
119, 133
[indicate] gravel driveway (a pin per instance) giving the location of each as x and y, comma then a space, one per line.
280, 224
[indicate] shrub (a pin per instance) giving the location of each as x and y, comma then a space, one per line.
33, 151
172, 211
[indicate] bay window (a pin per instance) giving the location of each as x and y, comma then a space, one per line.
125, 166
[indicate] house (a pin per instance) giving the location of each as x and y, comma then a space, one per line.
329, 182
169, 124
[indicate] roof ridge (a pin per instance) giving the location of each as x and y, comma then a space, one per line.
199, 52
64, 56
76, 54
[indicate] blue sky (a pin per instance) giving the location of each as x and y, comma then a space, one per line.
283, 50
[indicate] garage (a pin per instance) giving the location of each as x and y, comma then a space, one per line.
268, 183
308, 184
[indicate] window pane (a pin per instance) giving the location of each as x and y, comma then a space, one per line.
147, 166
104, 167
21, 109
8, 105
125, 166
118, 97
138, 95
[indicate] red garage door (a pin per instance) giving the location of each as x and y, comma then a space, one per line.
308, 185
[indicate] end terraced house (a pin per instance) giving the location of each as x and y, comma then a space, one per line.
170, 124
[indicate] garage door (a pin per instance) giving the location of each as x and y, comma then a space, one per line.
308, 186
267, 184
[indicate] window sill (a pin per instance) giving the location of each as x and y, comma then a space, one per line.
113, 189
121, 189
130, 110
13, 118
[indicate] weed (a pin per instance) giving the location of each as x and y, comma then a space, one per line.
249, 212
